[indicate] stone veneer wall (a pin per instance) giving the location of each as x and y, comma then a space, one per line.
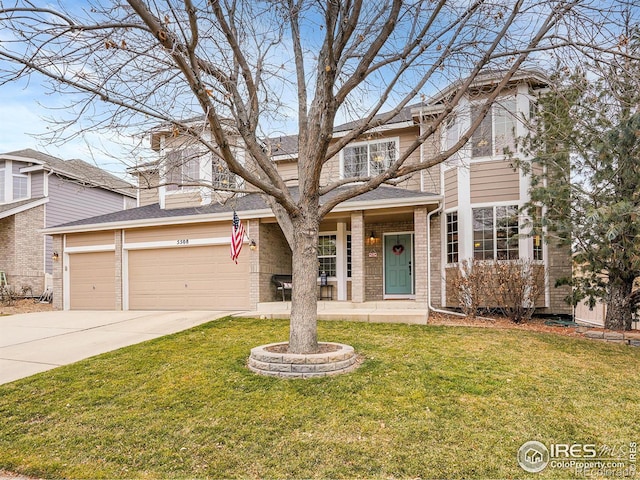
437, 273
558, 266
22, 250
7, 244
275, 258
373, 266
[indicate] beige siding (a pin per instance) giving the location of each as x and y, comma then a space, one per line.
493, 182
92, 283
148, 188
90, 239
431, 179
288, 170
451, 188
182, 199
178, 232
188, 278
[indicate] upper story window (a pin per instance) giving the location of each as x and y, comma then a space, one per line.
368, 159
495, 233
497, 131
13, 184
20, 186
221, 177
182, 169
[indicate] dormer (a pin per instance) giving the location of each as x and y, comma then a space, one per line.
20, 179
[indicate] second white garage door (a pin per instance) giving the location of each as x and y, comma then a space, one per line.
188, 278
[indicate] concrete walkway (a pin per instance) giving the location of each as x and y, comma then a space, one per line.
34, 342
390, 311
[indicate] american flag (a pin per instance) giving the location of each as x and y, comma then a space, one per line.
237, 236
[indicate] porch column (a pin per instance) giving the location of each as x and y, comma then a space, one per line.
117, 240
253, 232
420, 254
58, 285
341, 260
357, 257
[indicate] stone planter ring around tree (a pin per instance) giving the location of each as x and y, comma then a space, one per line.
273, 360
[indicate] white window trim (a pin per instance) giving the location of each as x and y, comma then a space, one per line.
495, 237
28, 178
4, 186
179, 188
341, 258
240, 155
456, 160
497, 103
368, 143
446, 236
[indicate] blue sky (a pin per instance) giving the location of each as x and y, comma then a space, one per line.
24, 108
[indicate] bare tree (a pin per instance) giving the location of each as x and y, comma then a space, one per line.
252, 64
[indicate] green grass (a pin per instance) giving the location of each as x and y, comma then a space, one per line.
427, 402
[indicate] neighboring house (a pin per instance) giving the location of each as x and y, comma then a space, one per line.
38, 191
400, 242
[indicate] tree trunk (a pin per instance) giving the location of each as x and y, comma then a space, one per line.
619, 308
303, 334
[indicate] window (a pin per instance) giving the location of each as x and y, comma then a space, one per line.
497, 130
221, 177
182, 169
451, 132
495, 233
327, 255
452, 237
507, 233
537, 247
537, 237
20, 186
368, 159
2, 185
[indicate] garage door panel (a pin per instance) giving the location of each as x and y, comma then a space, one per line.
92, 283
187, 278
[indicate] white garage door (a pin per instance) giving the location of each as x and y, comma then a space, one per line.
92, 283
189, 278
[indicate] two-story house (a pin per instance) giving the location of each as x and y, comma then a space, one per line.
38, 191
396, 242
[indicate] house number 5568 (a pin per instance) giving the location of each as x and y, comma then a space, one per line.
184, 241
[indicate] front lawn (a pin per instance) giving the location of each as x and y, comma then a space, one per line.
427, 402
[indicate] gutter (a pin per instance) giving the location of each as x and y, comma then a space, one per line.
429, 306
246, 214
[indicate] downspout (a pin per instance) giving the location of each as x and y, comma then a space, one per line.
429, 306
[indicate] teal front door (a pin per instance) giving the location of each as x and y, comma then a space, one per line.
398, 255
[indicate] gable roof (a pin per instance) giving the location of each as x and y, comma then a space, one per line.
248, 206
75, 169
12, 208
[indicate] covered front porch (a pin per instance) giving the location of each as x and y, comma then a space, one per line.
369, 251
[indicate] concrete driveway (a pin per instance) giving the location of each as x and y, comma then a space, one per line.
35, 342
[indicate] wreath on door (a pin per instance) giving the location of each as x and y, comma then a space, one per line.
398, 248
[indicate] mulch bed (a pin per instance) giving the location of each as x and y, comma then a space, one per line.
535, 324
26, 305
